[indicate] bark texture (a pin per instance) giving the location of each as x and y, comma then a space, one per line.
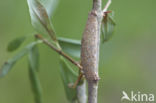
90, 50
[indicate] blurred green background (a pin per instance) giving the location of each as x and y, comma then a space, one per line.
127, 61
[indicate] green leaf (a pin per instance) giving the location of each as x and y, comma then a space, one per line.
35, 82
70, 46
7, 66
50, 6
15, 44
34, 57
68, 76
40, 19
107, 27
11, 62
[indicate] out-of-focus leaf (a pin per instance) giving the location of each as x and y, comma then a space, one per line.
34, 57
15, 44
68, 76
7, 66
107, 27
40, 19
35, 82
10, 63
70, 46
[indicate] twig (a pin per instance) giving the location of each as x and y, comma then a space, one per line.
81, 88
59, 51
107, 5
77, 81
90, 48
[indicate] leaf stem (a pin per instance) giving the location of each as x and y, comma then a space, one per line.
107, 5
59, 51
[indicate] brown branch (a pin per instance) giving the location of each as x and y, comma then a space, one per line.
81, 88
90, 49
76, 82
59, 51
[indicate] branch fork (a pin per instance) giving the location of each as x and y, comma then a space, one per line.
90, 45
59, 51
93, 28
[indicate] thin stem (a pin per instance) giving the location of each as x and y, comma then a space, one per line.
81, 88
77, 81
59, 51
107, 5
93, 92
90, 49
